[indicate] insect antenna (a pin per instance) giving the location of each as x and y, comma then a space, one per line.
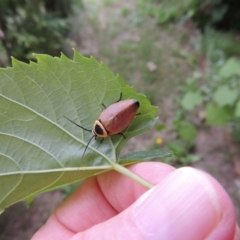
87, 145
85, 130
78, 125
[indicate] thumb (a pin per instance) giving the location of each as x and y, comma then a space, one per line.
189, 204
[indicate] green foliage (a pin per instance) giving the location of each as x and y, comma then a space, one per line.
187, 131
217, 115
225, 96
222, 15
213, 95
40, 149
217, 14
191, 99
181, 155
164, 11
34, 26
230, 68
177, 148
184, 141
219, 46
216, 95
237, 110
160, 127
235, 130
143, 155
219, 94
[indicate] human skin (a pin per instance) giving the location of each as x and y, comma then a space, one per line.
185, 204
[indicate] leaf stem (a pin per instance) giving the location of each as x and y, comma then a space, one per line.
131, 175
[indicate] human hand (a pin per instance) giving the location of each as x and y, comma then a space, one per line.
185, 204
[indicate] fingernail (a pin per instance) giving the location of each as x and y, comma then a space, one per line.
184, 204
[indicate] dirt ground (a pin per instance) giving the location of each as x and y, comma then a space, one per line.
19, 222
217, 160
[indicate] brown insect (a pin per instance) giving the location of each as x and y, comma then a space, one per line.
113, 119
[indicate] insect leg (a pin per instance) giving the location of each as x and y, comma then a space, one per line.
120, 98
122, 135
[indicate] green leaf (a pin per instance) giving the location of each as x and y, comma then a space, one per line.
218, 115
194, 157
237, 109
189, 159
230, 68
225, 96
143, 156
160, 127
191, 100
177, 148
187, 131
41, 150
29, 200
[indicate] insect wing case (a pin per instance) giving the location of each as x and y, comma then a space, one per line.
116, 117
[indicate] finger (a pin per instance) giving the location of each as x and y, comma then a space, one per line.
98, 200
188, 204
237, 233
121, 191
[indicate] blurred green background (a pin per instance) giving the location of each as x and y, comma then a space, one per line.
183, 55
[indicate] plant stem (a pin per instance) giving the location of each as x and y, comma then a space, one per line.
131, 175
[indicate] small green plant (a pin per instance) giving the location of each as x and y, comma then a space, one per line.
211, 98
185, 135
165, 11
181, 155
182, 144
218, 93
208, 98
